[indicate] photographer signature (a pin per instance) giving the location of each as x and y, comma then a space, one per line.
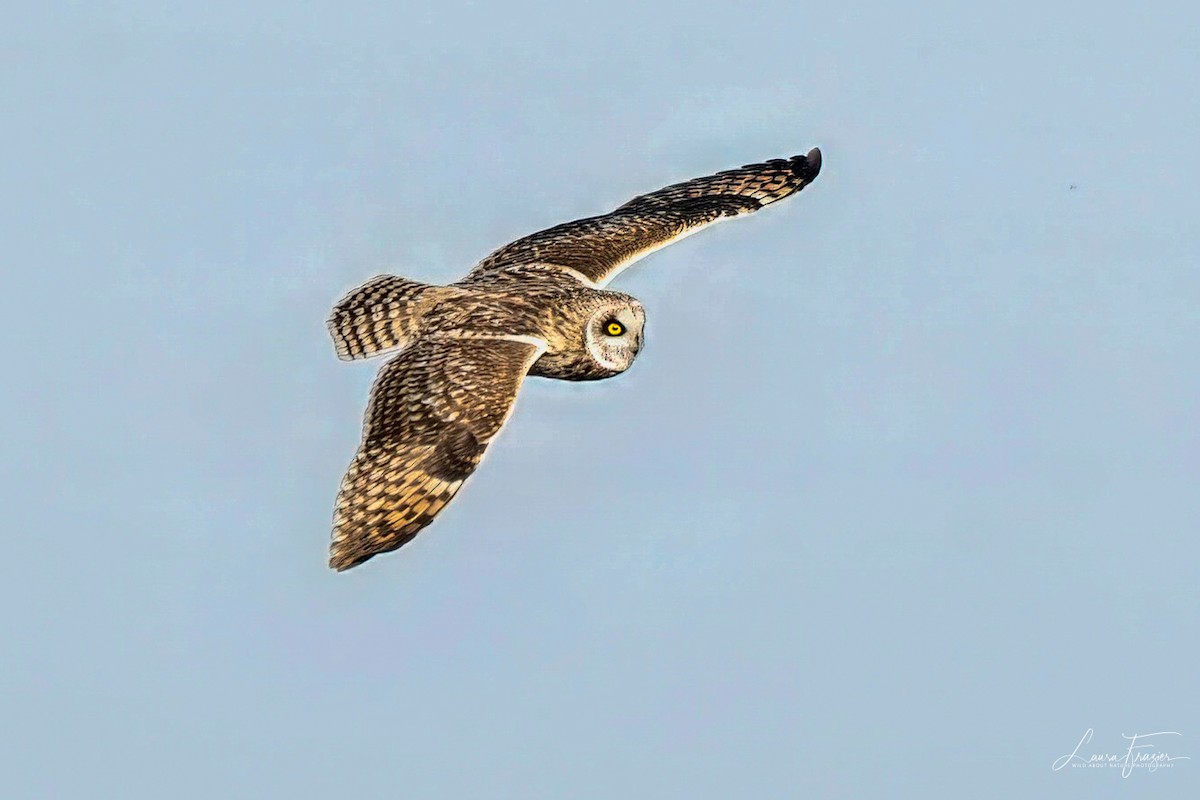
1140, 754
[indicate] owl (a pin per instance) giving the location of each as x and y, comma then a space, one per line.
537, 306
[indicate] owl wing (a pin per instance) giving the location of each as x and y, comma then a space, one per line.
598, 248
433, 411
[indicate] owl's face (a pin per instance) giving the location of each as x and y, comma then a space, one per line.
613, 334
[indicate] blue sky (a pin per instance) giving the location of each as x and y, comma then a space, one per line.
899, 500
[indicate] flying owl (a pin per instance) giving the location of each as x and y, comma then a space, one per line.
537, 306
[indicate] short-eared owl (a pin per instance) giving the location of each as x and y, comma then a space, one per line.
537, 306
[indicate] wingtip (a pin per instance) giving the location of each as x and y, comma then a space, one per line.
808, 166
341, 559
342, 566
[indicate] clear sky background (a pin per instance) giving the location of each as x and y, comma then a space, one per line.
899, 500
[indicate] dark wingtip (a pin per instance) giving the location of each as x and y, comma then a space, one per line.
342, 559
808, 166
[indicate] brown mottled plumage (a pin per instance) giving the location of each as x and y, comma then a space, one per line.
533, 307
433, 410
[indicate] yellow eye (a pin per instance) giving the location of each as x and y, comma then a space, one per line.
614, 328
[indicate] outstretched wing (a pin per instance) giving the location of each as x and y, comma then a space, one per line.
433, 410
598, 248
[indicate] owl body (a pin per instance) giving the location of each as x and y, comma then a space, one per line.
569, 319
538, 307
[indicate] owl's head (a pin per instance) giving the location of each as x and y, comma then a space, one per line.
613, 332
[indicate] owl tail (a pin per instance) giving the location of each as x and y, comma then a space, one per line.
381, 315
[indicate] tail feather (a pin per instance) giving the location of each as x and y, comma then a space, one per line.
381, 315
